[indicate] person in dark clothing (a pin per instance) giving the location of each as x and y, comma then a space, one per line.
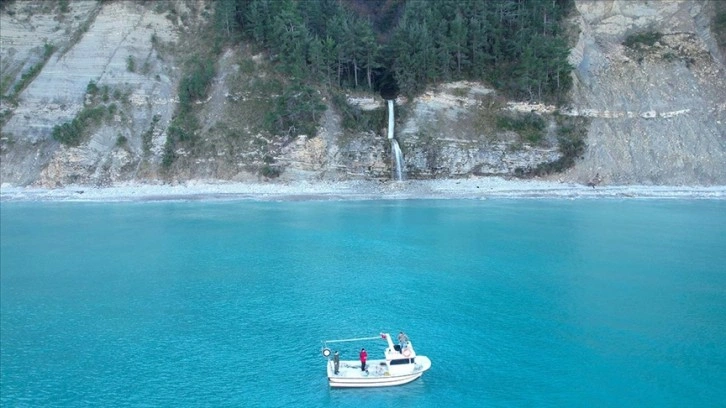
363, 358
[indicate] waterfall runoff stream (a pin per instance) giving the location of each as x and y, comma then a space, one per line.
398, 155
395, 148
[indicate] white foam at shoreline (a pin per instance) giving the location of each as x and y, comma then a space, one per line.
473, 188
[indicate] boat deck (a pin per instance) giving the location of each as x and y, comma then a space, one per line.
351, 369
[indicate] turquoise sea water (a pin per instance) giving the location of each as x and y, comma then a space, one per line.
610, 303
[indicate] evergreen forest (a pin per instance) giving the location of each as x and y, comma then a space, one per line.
327, 48
402, 46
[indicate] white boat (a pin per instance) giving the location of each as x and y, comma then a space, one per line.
398, 365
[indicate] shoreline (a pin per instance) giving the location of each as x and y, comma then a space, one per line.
471, 188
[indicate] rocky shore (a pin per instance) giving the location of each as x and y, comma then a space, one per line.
471, 188
648, 114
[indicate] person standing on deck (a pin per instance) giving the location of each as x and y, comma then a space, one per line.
402, 340
363, 358
336, 362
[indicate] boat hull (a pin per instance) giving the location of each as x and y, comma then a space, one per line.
351, 376
389, 381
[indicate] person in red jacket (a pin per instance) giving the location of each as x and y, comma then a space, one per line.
363, 358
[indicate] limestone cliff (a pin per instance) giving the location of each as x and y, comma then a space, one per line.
653, 114
658, 112
94, 42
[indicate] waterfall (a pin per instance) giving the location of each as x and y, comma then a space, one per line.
398, 155
390, 119
395, 148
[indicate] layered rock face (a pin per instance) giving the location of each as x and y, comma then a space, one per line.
656, 112
109, 44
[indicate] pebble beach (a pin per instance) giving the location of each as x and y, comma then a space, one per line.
470, 188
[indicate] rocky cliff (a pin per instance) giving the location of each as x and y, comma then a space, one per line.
658, 111
652, 113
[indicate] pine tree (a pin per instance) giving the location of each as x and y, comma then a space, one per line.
316, 59
330, 54
458, 34
290, 38
371, 51
225, 15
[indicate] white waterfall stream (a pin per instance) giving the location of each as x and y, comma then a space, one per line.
395, 148
390, 119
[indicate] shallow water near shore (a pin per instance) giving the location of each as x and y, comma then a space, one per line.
517, 302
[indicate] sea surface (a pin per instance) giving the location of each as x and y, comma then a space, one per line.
546, 302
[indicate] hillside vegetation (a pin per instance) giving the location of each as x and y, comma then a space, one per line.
516, 45
617, 91
320, 49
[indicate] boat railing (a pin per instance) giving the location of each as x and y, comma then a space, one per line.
326, 350
355, 339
